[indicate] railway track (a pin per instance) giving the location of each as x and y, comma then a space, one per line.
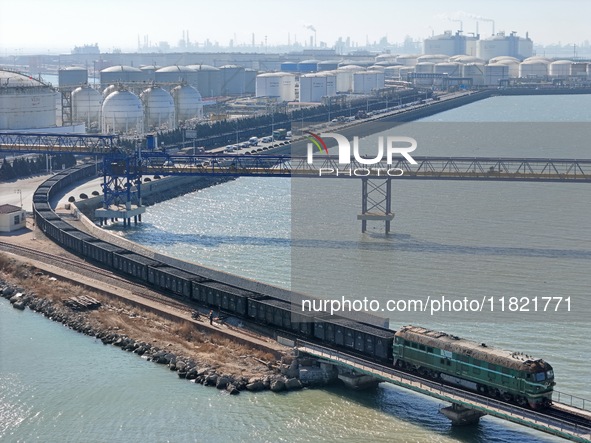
89, 270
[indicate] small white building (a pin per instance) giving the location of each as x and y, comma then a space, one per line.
12, 218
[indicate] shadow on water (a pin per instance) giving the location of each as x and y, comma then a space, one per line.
417, 411
371, 242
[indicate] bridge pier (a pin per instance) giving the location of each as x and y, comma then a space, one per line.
460, 415
376, 202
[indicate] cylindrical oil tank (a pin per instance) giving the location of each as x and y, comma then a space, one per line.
589, 71
308, 66
503, 59
72, 77
158, 109
578, 69
450, 68
187, 103
392, 72
376, 68
407, 60
389, 58
289, 67
344, 77
209, 80
269, 84
288, 82
233, 80
366, 82
328, 65
533, 68
560, 68
424, 68
312, 88
150, 72
170, 76
122, 112
432, 58
121, 74
250, 79
474, 71
331, 83
512, 65
86, 106
494, 73
25, 103
404, 71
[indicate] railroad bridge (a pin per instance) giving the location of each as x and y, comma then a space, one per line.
123, 170
569, 419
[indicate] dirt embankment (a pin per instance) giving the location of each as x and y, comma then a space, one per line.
204, 357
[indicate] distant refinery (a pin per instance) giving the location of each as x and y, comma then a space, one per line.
121, 93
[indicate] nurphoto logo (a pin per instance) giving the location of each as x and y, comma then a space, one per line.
388, 146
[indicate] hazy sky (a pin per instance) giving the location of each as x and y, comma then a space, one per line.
58, 25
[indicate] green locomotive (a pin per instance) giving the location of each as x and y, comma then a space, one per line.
511, 376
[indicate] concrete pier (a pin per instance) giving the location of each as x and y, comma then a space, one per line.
460, 415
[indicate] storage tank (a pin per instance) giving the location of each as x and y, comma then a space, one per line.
312, 88
86, 106
465, 59
376, 68
367, 82
388, 58
150, 71
308, 66
209, 80
233, 80
25, 103
250, 80
502, 44
404, 71
289, 67
122, 112
109, 90
288, 84
72, 77
560, 68
344, 77
424, 68
407, 60
269, 84
579, 69
474, 71
450, 68
170, 76
158, 109
503, 59
494, 73
392, 72
187, 103
122, 74
434, 58
533, 68
328, 65
589, 71
331, 83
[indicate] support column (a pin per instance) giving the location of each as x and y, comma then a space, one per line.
376, 202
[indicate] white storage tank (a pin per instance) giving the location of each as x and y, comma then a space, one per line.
269, 84
511, 62
387, 58
250, 80
432, 58
407, 60
560, 68
188, 103
122, 74
474, 71
424, 68
494, 73
312, 88
404, 71
465, 59
109, 90
331, 83
25, 103
392, 72
158, 109
367, 82
533, 68
503, 59
344, 77
209, 80
579, 69
170, 76
589, 71
450, 68
86, 106
122, 112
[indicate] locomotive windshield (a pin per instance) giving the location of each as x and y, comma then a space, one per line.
539, 376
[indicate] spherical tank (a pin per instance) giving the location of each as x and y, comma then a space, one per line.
209, 80
86, 106
560, 68
122, 112
533, 68
158, 109
109, 90
25, 103
187, 103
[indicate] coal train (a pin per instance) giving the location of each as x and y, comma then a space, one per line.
448, 359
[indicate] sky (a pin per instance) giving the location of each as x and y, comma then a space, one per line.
54, 26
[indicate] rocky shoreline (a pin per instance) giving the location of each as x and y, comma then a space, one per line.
288, 374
